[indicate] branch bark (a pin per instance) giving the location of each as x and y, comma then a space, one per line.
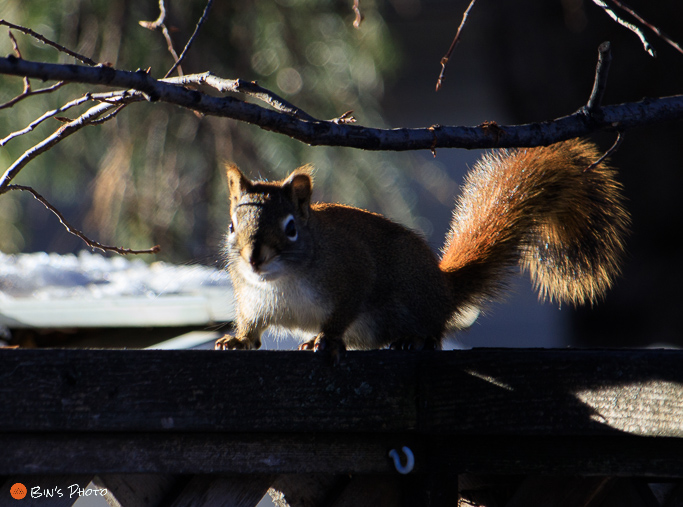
326, 132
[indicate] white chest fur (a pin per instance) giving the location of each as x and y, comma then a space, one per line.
287, 302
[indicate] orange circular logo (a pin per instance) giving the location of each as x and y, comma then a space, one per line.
18, 491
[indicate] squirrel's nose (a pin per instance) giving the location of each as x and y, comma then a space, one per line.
258, 255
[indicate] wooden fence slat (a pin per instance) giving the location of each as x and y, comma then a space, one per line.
214, 491
561, 492
495, 392
204, 453
204, 390
553, 392
139, 490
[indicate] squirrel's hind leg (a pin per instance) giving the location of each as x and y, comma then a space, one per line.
333, 346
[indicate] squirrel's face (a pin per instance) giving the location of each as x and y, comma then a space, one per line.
268, 237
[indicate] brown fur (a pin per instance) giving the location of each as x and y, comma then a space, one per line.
539, 208
355, 279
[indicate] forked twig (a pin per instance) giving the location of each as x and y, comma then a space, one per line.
610, 12
656, 30
444, 60
59, 135
159, 24
71, 229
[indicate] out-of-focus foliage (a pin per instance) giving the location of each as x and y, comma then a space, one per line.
154, 173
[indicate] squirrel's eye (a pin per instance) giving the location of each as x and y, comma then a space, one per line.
231, 228
289, 226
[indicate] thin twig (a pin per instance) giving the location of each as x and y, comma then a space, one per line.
17, 52
656, 30
630, 26
359, 16
609, 152
71, 229
444, 60
31, 93
47, 41
600, 83
192, 38
159, 24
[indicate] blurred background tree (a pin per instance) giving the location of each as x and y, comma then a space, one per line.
154, 175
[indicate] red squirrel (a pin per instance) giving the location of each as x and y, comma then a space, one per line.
354, 279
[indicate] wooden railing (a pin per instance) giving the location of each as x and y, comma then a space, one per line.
523, 426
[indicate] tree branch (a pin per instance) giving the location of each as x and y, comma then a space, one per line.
319, 132
610, 12
71, 229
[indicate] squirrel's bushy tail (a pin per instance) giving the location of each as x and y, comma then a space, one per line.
541, 208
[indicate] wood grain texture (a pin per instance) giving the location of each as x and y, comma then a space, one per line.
587, 412
157, 390
485, 391
201, 453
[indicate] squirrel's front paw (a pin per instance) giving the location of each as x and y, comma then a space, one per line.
229, 342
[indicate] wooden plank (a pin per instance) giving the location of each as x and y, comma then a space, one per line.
140, 490
210, 453
552, 392
202, 453
477, 392
307, 490
616, 455
215, 491
561, 492
204, 390
629, 493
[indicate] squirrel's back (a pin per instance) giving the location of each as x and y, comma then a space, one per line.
548, 210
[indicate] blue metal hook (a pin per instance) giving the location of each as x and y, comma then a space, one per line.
410, 460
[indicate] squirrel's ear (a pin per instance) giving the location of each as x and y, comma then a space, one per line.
238, 183
300, 187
